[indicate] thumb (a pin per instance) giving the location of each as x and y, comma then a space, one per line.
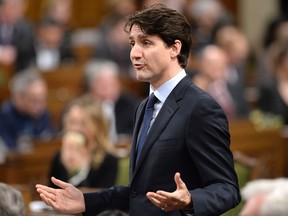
59, 183
179, 183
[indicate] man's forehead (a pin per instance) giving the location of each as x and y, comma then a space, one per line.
136, 31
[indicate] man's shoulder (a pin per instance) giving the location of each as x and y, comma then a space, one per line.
193, 91
6, 108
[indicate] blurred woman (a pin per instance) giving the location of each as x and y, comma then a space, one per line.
86, 157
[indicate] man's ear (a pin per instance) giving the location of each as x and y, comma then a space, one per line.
175, 49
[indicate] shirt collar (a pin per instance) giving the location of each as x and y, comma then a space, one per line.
165, 89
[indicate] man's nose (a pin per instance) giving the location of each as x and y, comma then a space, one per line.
135, 52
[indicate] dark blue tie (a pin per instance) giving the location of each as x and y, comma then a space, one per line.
146, 123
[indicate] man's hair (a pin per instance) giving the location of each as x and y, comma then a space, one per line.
95, 68
11, 201
166, 23
23, 79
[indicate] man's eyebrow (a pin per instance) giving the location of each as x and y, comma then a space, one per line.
140, 36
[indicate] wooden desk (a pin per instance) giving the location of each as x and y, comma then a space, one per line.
266, 146
29, 168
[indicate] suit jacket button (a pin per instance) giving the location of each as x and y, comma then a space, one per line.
133, 194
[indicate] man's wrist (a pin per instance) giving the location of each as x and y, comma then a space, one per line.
189, 209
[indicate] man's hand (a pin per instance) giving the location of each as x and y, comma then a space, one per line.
68, 199
180, 199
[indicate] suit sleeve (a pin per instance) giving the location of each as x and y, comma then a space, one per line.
208, 141
109, 199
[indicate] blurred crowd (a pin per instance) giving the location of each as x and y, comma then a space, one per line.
221, 63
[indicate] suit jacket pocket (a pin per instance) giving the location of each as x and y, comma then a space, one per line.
167, 143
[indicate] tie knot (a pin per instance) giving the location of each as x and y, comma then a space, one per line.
151, 100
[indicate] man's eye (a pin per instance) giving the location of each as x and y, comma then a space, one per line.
146, 43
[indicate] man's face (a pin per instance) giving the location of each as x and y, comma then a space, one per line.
106, 86
150, 57
11, 11
34, 99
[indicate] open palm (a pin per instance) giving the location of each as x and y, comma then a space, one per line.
67, 199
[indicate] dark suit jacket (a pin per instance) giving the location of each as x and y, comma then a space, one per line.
23, 41
124, 108
271, 101
190, 135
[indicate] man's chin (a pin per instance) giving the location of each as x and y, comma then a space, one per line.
142, 78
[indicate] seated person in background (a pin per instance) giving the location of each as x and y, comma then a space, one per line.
210, 76
236, 46
274, 97
25, 117
50, 47
86, 142
16, 35
75, 155
59, 10
11, 201
102, 78
265, 197
112, 43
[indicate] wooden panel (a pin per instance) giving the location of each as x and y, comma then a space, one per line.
6, 72
64, 84
31, 167
267, 147
85, 14
88, 13
231, 6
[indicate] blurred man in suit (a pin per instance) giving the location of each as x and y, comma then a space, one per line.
16, 35
24, 117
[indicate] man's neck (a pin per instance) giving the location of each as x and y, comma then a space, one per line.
173, 71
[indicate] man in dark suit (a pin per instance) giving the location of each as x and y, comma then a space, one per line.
16, 35
184, 166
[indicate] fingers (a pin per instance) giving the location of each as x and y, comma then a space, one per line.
49, 194
170, 201
45, 188
59, 183
155, 199
179, 183
46, 200
165, 203
158, 200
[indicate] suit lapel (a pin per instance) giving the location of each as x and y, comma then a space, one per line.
138, 121
167, 111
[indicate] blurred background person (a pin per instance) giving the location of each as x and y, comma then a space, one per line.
102, 78
51, 49
210, 76
236, 46
11, 201
112, 44
58, 10
265, 197
274, 97
275, 36
16, 35
206, 16
86, 158
24, 117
